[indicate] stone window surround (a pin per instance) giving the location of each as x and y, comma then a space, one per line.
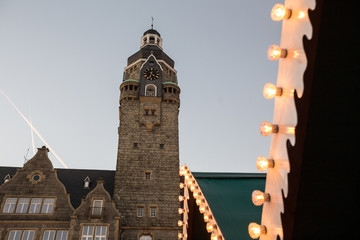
153, 211
94, 230
56, 234
140, 210
22, 231
148, 173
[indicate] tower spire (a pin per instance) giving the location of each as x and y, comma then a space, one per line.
152, 23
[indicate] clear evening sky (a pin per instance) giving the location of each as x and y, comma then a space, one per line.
62, 63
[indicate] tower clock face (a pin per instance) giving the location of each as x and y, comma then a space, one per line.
151, 73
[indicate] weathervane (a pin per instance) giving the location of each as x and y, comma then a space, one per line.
152, 23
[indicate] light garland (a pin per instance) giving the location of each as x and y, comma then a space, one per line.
204, 208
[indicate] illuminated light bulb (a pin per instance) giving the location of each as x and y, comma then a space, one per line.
196, 194
181, 185
203, 208
180, 235
199, 201
207, 217
180, 223
182, 172
267, 128
187, 177
215, 236
275, 52
255, 230
190, 182
210, 227
270, 91
279, 12
184, 167
258, 197
262, 163
181, 210
193, 187
181, 198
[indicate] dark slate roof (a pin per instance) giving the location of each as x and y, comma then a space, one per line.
147, 50
73, 180
229, 197
152, 31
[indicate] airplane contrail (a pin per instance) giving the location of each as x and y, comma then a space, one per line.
34, 129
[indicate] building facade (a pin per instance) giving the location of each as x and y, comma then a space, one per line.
137, 201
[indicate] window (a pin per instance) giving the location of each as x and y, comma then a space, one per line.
21, 234
35, 205
162, 146
100, 233
29, 205
136, 145
145, 237
140, 211
153, 212
48, 205
10, 204
153, 112
147, 175
97, 207
22, 205
55, 235
150, 90
88, 233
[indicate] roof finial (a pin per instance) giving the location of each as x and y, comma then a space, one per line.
152, 23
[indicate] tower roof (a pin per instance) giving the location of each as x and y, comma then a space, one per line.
152, 31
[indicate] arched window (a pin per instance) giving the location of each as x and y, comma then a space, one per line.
150, 90
145, 237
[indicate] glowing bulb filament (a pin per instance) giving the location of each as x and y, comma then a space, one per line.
180, 223
270, 91
258, 197
207, 217
267, 128
199, 201
275, 52
255, 230
181, 210
214, 236
262, 163
210, 227
279, 12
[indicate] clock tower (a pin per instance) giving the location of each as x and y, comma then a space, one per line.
146, 186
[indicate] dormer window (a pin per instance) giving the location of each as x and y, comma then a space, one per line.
7, 178
97, 207
87, 183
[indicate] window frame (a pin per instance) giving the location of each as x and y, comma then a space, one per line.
56, 234
97, 210
140, 211
152, 210
10, 206
94, 235
30, 234
28, 205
